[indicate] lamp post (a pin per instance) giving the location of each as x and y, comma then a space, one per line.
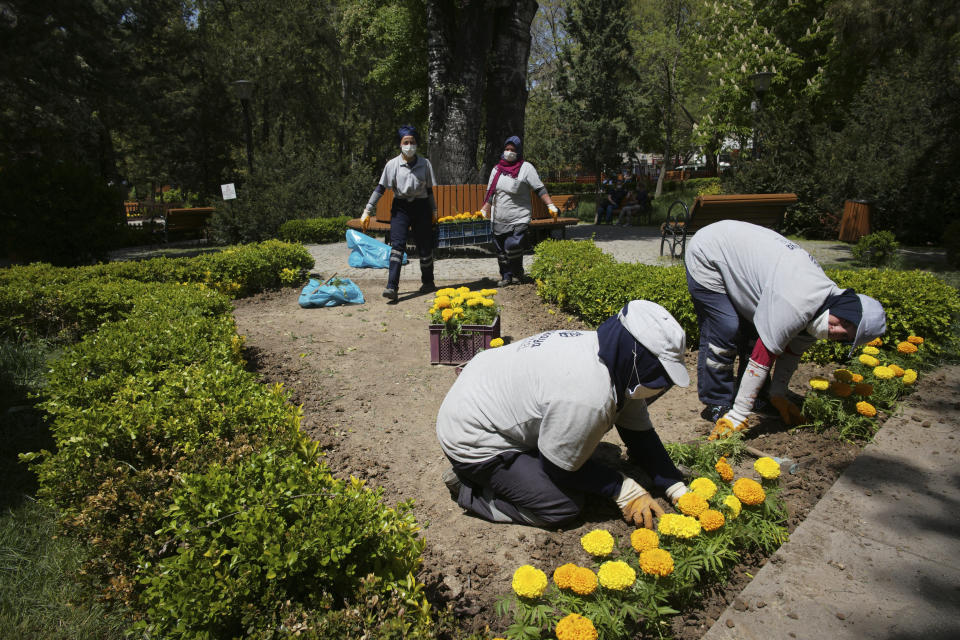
761, 84
243, 89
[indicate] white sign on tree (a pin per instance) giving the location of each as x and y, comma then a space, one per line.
229, 191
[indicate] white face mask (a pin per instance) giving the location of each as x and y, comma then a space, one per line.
408, 150
641, 392
510, 156
819, 326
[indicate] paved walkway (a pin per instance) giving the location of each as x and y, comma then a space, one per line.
879, 555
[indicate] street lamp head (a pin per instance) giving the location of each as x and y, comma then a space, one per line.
243, 89
761, 82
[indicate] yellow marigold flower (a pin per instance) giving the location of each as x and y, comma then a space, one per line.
857, 378
909, 377
529, 582
876, 342
907, 347
841, 389
469, 295
472, 302
712, 520
733, 503
462, 290
897, 371
870, 361
458, 311
871, 351
573, 626
488, 292
442, 302
674, 524
447, 314
598, 542
843, 375
456, 302
820, 384
691, 504
617, 575
432, 311
487, 302
643, 539
724, 469
657, 562
703, 487
863, 389
882, 372
866, 409
563, 575
583, 581
496, 342
914, 339
749, 491
767, 467
446, 292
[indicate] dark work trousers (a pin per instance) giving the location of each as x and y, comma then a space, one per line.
405, 214
724, 335
514, 487
510, 246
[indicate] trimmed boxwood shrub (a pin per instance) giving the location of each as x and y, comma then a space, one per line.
314, 230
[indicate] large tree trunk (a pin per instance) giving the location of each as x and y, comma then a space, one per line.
506, 92
459, 37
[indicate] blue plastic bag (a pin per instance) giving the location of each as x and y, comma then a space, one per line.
368, 252
334, 292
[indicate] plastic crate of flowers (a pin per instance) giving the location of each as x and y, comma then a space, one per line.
462, 323
462, 229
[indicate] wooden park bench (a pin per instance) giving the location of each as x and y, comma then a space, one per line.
186, 222
764, 209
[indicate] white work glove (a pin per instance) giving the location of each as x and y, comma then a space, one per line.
674, 492
638, 506
554, 212
365, 218
736, 419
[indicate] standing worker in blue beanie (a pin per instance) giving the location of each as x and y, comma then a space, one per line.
507, 204
411, 178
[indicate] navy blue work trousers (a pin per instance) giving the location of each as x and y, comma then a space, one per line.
404, 215
510, 247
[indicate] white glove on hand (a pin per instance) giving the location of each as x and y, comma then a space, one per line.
676, 490
365, 219
554, 212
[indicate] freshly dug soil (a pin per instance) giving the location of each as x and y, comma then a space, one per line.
370, 397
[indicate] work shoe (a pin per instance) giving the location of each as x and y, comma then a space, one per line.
506, 281
452, 480
390, 293
428, 288
713, 412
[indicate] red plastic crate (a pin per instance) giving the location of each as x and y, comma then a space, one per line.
473, 338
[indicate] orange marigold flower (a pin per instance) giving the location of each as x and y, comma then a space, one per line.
863, 389
691, 504
841, 389
843, 375
657, 562
563, 575
711, 520
573, 626
866, 409
914, 339
857, 378
897, 371
749, 491
643, 539
583, 582
907, 347
724, 469
876, 342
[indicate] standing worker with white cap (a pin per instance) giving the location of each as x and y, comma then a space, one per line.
746, 279
520, 423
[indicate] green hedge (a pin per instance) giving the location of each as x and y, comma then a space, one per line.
314, 230
202, 504
583, 280
43, 301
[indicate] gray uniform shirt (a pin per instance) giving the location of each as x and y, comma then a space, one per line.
408, 182
770, 280
510, 202
549, 392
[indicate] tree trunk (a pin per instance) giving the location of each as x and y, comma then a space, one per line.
506, 92
460, 34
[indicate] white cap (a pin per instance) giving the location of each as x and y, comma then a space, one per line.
660, 334
873, 321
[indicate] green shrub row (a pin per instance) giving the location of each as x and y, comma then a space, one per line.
314, 230
583, 280
43, 301
203, 505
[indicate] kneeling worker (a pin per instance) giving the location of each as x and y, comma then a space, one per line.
520, 423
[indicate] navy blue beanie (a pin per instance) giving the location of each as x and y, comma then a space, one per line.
407, 130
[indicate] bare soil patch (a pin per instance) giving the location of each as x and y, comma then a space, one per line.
370, 397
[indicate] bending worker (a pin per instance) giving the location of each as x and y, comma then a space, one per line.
411, 178
740, 274
520, 423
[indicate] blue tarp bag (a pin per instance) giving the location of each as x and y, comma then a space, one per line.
335, 291
368, 252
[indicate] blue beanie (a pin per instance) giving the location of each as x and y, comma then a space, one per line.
407, 130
